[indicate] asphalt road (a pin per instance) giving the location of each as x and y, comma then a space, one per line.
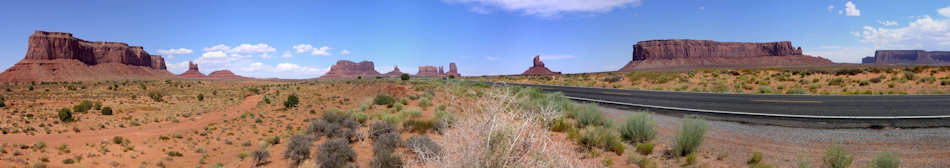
874, 107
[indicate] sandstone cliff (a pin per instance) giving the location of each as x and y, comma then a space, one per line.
538, 68
910, 57
429, 70
453, 70
56, 56
192, 72
688, 54
350, 69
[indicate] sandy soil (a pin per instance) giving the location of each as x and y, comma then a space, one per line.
784, 146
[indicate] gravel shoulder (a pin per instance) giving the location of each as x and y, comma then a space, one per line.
786, 146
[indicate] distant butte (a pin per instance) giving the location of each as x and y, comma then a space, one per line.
429, 70
225, 74
57, 56
909, 57
538, 68
192, 72
350, 69
394, 73
691, 54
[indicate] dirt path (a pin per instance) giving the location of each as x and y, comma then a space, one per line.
136, 133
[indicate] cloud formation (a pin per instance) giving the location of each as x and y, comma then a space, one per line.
888, 23
243, 60
923, 33
547, 8
324, 51
172, 52
851, 10
243, 50
345, 52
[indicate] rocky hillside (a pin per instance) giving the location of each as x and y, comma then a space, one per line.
688, 54
56, 56
225, 74
350, 69
538, 68
909, 57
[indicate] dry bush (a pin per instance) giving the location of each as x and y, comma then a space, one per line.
501, 136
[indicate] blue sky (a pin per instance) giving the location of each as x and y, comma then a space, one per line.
301, 39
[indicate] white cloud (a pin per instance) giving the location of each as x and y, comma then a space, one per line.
385, 69
177, 68
888, 23
831, 8
214, 54
289, 68
287, 54
303, 48
490, 58
172, 52
219, 47
549, 8
923, 33
851, 10
252, 49
345, 52
840, 12
944, 11
325, 51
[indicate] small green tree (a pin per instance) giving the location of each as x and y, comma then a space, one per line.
65, 115
404, 77
292, 101
201, 97
106, 110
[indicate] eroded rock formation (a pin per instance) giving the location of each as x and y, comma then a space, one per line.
57, 56
688, 54
350, 69
393, 73
538, 68
910, 57
429, 70
192, 72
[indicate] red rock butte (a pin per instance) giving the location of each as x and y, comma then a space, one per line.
56, 56
192, 72
350, 69
394, 73
429, 70
691, 54
538, 68
909, 57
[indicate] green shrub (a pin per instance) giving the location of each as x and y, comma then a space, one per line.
645, 148
175, 154
156, 96
909, 75
886, 160
421, 126
690, 136
69, 161
600, 137
691, 159
589, 115
65, 115
383, 99
838, 157
835, 81
380, 128
756, 158
398, 106
559, 124
404, 77
638, 128
410, 113
387, 160
83, 107
98, 105
260, 156
106, 110
425, 102
292, 101
404, 101
201, 97
444, 116
117, 140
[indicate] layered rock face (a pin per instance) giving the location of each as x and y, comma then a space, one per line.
393, 73
225, 74
429, 70
910, 57
56, 56
538, 68
676, 54
350, 69
192, 72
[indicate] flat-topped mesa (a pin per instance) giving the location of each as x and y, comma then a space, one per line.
56, 45
453, 70
350, 69
225, 74
687, 54
192, 71
538, 68
393, 73
909, 57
